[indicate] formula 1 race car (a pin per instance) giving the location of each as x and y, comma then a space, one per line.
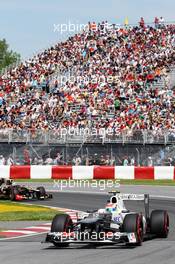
112, 225
13, 192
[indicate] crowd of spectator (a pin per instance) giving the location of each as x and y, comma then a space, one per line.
115, 71
96, 159
77, 160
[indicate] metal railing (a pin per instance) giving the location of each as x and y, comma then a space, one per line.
79, 136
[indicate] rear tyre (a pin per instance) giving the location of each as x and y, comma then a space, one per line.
41, 193
133, 224
61, 223
159, 223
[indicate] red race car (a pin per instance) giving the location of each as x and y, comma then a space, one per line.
14, 192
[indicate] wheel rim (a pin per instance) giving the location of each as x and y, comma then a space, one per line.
68, 224
166, 224
139, 230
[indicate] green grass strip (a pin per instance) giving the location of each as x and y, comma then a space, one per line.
10, 211
122, 182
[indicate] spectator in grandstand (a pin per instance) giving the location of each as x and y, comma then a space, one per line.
78, 161
156, 21
162, 155
142, 22
57, 159
40, 161
132, 161
112, 161
2, 160
49, 161
161, 22
150, 161
125, 161
10, 160
170, 161
35, 161
130, 60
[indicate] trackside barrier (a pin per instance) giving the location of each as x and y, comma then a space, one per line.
87, 172
104, 172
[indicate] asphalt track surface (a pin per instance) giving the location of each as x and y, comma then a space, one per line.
30, 250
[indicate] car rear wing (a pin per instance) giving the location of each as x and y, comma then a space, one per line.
130, 196
137, 197
134, 197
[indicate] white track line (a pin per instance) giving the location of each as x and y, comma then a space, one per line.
38, 227
10, 238
25, 232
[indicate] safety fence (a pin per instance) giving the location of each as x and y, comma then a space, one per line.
87, 135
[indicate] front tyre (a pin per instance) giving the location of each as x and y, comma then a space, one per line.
61, 223
41, 193
133, 224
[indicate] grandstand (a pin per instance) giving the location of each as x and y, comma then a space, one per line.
119, 79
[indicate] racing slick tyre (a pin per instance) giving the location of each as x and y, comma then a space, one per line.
159, 223
133, 224
13, 192
61, 223
42, 192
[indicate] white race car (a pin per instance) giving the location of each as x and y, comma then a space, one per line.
111, 225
